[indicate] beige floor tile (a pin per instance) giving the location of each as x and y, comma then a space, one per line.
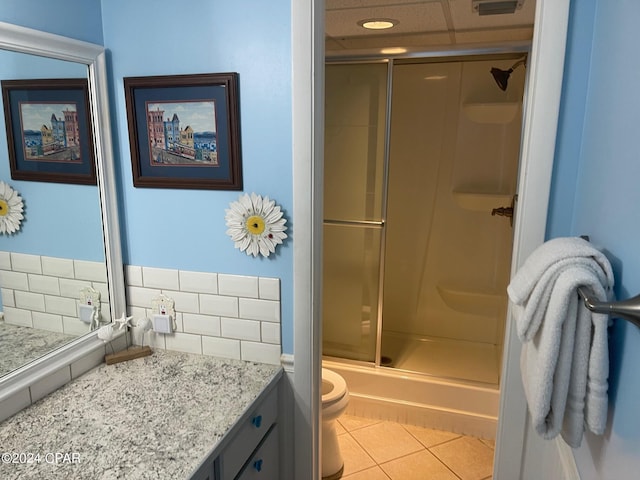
417, 466
354, 456
386, 441
374, 473
339, 428
351, 423
468, 457
430, 437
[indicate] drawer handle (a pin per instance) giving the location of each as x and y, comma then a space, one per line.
257, 465
257, 421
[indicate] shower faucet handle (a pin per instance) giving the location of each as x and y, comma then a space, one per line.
502, 211
506, 211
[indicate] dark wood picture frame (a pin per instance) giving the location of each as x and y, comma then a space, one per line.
49, 130
184, 131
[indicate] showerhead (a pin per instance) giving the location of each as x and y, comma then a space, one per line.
502, 76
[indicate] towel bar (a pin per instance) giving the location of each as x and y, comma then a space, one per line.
628, 309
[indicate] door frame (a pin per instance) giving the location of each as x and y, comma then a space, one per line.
541, 109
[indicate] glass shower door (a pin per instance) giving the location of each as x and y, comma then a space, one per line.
355, 125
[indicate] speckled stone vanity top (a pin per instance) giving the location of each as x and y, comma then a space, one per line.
20, 345
155, 417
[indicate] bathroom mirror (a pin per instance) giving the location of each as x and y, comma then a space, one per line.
69, 239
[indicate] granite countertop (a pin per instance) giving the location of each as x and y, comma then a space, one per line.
20, 345
156, 417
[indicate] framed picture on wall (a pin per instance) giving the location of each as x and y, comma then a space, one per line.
49, 132
184, 131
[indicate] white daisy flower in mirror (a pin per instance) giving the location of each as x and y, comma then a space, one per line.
255, 224
11, 208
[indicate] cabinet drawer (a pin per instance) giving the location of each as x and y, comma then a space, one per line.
248, 436
264, 463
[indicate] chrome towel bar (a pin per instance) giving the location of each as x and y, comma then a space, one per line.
628, 309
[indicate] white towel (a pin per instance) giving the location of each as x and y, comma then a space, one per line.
564, 360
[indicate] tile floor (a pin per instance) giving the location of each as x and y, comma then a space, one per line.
381, 450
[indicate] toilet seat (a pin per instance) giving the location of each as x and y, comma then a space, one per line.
333, 387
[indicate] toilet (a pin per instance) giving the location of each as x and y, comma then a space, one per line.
335, 398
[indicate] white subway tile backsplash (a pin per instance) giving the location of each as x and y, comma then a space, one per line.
225, 315
198, 282
5, 260
221, 347
162, 278
58, 267
8, 299
260, 352
184, 301
44, 284
21, 262
267, 310
15, 280
51, 382
240, 329
141, 297
133, 276
201, 324
184, 342
61, 305
74, 326
238, 285
29, 301
269, 288
13, 404
17, 316
86, 363
92, 271
47, 321
103, 288
270, 332
219, 305
70, 288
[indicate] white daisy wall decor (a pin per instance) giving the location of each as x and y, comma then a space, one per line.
256, 224
11, 208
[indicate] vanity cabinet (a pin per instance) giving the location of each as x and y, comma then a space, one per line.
250, 449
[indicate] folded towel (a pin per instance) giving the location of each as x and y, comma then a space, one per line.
531, 286
564, 360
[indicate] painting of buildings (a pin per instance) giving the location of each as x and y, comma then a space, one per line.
182, 133
50, 132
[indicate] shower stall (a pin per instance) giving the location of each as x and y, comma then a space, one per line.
421, 161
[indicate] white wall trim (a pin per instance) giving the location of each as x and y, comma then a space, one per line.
541, 107
307, 52
287, 362
567, 460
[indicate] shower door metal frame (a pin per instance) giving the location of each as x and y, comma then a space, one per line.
443, 55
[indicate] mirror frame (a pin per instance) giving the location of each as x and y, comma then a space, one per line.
35, 42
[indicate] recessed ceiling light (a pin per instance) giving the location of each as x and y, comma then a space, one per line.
378, 23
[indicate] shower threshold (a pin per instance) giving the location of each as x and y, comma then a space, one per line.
442, 357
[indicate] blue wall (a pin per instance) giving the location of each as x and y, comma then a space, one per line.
79, 19
61, 220
596, 193
185, 229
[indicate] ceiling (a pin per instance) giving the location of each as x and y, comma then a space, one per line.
421, 24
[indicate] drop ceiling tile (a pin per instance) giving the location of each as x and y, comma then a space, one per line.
417, 17
338, 4
498, 35
413, 41
464, 18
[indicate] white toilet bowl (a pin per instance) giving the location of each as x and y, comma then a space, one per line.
335, 398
